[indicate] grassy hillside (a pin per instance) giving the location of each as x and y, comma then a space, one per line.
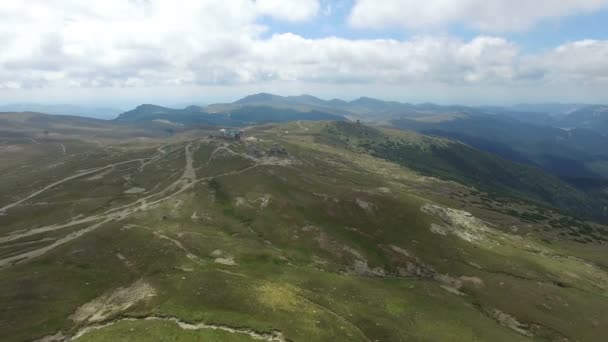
295, 233
458, 162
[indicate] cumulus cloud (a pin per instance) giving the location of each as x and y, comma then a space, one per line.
163, 43
291, 57
582, 62
487, 15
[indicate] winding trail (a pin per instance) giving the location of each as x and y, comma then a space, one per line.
189, 172
45, 229
184, 183
76, 176
177, 243
302, 126
214, 152
162, 154
272, 336
16, 259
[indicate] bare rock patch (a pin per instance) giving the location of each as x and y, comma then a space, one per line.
367, 206
112, 303
457, 222
135, 190
509, 322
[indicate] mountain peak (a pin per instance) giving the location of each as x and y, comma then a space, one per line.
261, 97
194, 108
306, 97
148, 106
365, 100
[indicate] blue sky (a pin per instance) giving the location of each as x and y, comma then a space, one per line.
553, 32
180, 51
546, 34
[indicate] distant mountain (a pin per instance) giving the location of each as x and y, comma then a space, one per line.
61, 109
568, 116
554, 109
536, 118
364, 108
262, 98
27, 126
192, 115
375, 110
145, 111
265, 99
227, 116
265, 114
548, 114
299, 103
591, 117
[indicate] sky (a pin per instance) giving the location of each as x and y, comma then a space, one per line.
474, 52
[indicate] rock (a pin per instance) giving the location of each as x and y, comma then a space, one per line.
216, 253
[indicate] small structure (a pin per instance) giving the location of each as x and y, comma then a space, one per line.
231, 134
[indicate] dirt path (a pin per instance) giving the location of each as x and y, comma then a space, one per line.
302, 126
76, 176
45, 229
162, 154
26, 243
143, 161
179, 245
19, 258
189, 172
184, 183
227, 149
272, 336
214, 152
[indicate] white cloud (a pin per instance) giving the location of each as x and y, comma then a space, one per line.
53, 44
582, 62
486, 15
291, 57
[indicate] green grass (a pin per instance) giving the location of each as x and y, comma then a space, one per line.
142, 331
295, 255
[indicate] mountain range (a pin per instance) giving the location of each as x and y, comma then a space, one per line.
563, 116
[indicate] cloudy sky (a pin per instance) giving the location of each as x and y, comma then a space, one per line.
124, 52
